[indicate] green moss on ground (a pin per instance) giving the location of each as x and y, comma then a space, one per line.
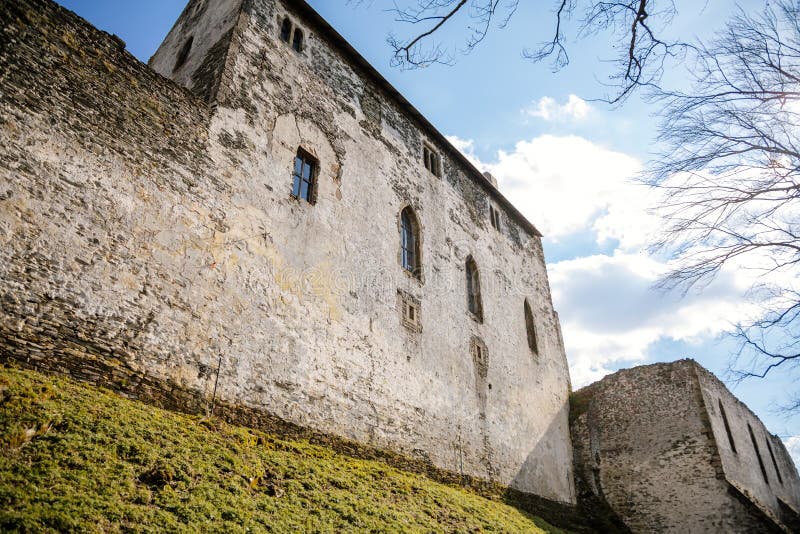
76, 458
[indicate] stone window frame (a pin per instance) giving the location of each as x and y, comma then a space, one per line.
291, 33
494, 217
474, 296
183, 54
418, 272
431, 159
480, 356
410, 309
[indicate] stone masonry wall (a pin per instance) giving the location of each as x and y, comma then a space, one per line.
139, 228
643, 444
776, 490
89, 137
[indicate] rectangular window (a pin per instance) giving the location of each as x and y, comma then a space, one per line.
303, 176
494, 217
432, 160
409, 311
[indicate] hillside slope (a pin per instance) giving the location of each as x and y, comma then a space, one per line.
77, 458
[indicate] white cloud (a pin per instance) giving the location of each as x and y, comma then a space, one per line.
793, 445
610, 313
466, 147
567, 184
547, 108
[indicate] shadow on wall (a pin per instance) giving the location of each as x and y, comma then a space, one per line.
598, 516
535, 471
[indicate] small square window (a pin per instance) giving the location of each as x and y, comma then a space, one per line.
409, 311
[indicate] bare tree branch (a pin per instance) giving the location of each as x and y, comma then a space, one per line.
636, 21
730, 178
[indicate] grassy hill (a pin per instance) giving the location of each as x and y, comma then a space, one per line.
76, 458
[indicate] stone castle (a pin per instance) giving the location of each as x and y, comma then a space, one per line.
259, 220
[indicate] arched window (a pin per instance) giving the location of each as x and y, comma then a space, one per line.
184, 53
530, 327
297, 42
286, 30
409, 242
474, 290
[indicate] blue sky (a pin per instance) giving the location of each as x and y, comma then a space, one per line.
566, 160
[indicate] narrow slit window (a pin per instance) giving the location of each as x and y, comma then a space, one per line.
727, 426
409, 242
474, 303
183, 55
303, 183
297, 41
774, 462
286, 30
494, 217
758, 454
530, 328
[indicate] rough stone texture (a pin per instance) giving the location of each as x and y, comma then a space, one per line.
780, 489
150, 238
650, 443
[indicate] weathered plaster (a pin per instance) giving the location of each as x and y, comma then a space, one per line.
143, 227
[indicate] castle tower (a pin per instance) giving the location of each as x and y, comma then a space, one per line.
195, 50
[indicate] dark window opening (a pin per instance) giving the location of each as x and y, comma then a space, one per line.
494, 217
286, 30
474, 303
297, 42
727, 426
431, 160
184, 53
409, 242
531, 329
774, 462
480, 357
305, 167
758, 454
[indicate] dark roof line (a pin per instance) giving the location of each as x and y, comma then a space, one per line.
351, 53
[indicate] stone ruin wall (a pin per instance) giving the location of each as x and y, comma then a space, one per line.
648, 444
776, 489
143, 235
